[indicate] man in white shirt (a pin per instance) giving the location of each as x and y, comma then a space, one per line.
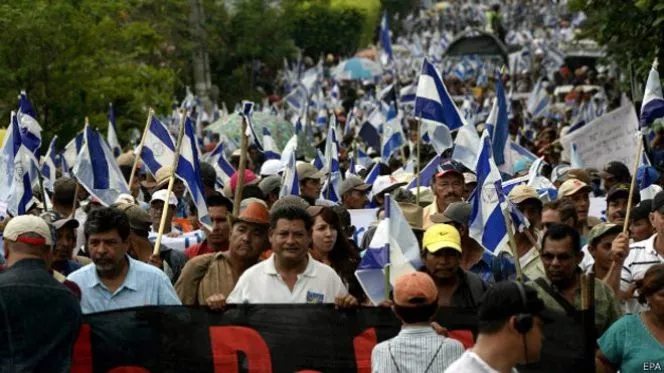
290, 274
509, 331
157, 205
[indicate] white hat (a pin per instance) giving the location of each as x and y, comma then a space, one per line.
24, 224
160, 195
385, 184
271, 167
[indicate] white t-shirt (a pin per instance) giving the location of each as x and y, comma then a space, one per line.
470, 362
262, 283
642, 255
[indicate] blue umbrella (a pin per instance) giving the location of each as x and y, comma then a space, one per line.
357, 68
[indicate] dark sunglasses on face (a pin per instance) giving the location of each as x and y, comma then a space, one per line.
561, 257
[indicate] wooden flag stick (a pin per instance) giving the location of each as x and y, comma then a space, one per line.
169, 190
237, 198
635, 169
417, 162
139, 149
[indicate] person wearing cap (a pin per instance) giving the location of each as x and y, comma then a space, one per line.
616, 203
615, 173
448, 186
560, 289
353, 192
475, 258
310, 182
291, 274
600, 240
216, 240
417, 347
470, 183
157, 204
271, 187
209, 278
509, 327
633, 260
526, 200
384, 184
271, 167
63, 260
208, 179
577, 192
41, 318
162, 177
114, 280
640, 227
550, 214
249, 178
441, 255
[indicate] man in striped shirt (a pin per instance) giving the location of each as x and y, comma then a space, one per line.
417, 347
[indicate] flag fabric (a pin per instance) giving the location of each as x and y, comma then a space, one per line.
385, 41
247, 111
407, 94
501, 130
270, 150
538, 101
647, 177
10, 147
72, 149
575, 157
465, 146
319, 160
297, 99
15, 171
369, 134
373, 174
48, 166
158, 148
96, 169
188, 170
28, 124
394, 244
290, 183
487, 224
392, 137
652, 107
362, 158
221, 165
112, 134
64, 166
426, 173
331, 190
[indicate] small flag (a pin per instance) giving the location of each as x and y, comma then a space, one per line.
426, 173
28, 124
538, 102
189, 171
247, 111
158, 148
652, 107
392, 137
501, 131
331, 191
48, 167
385, 41
575, 157
218, 160
290, 183
270, 150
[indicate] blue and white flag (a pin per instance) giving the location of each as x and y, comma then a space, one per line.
10, 148
319, 160
385, 42
575, 157
487, 223
96, 169
189, 171
27, 122
392, 137
407, 94
270, 150
64, 166
538, 102
373, 174
297, 99
501, 131
647, 177
331, 190
362, 158
652, 107
221, 165
112, 134
247, 111
72, 149
465, 146
290, 183
426, 173
158, 148
394, 244
48, 166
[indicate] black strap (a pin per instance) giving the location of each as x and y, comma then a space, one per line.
567, 306
389, 349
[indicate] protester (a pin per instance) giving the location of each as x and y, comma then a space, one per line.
448, 186
475, 258
208, 179
65, 240
616, 203
560, 289
353, 192
441, 254
640, 228
290, 274
219, 209
310, 182
157, 204
330, 246
64, 190
525, 197
40, 317
635, 342
271, 187
600, 240
114, 280
209, 278
271, 167
576, 191
417, 347
470, 183
509, 327
385, 184
550, 215
615, 173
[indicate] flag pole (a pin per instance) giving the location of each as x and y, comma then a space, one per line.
78, 185
388, 285
237, 198
171, 182
139, 149
632, 186
417, 163
512, 245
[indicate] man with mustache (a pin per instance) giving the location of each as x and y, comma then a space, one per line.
448, 186
616, 203
219, 209
114, 280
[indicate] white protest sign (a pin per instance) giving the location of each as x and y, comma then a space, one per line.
361, 219
611, 137
598, 208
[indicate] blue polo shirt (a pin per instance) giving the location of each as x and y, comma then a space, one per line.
145, 285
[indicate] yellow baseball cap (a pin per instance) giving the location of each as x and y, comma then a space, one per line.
440, 236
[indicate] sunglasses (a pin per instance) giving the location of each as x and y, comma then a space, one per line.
561, 257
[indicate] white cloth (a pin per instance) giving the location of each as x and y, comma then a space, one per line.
642, 256
262, 283
470, 362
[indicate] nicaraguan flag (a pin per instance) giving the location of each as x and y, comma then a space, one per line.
538, 101
64, 166
112, 134
247, 111
270, 150
487, 224
465, 146
96, 169
48, 166
652, 107
331, 190
575, 157
393, 137
394, 244
362, 158
647, 177
385, 41
319, 160
407, 94
297, 99
27, 122
290, 183
158, 148
71, 150
189, 171
426, 173
221, 165
501, 130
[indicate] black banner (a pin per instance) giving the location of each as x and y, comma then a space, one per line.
269, 338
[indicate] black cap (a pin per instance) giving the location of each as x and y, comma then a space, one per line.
641, 211
505, 300
658, 202
617, 170
622, 191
